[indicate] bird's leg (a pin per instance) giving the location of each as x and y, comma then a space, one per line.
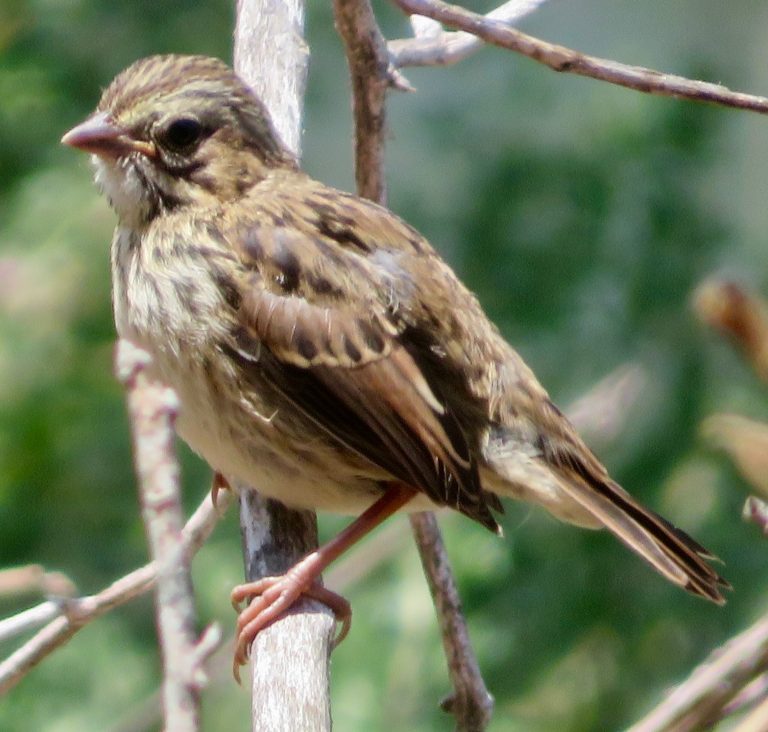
220, 483
269, 597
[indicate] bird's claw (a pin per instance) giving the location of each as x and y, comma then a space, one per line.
268, 598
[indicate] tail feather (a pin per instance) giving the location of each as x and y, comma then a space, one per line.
669, 550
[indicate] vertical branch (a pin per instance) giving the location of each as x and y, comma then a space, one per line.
290, 659
152, 408
291, 673
271, 55
470, 703
372, 74
368, 61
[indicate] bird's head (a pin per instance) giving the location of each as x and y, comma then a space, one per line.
173, 131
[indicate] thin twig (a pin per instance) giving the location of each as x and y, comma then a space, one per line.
470, 703
372, 75
748, 698
152, 408
35, 578
29, 619
566, 60
75, 614
433, 46
756, 721
699, 700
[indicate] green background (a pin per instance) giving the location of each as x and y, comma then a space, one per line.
582, 214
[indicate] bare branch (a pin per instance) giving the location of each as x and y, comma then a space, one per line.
290, 658
757, 721
29, 619
432, 46
291, 672
560, 58
35, 578
271, 55
748, 698
75, 614
697, 702
152, 408
372, 74
470, 702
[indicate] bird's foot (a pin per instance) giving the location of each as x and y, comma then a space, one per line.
269, 597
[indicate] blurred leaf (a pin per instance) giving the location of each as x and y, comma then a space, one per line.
746, 443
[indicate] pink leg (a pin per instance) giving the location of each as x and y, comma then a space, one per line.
219, 484
272, 596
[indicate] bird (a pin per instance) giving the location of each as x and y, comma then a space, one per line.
321, 349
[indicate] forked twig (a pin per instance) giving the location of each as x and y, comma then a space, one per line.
76, 614
566, 60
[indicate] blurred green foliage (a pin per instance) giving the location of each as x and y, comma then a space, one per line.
582, 215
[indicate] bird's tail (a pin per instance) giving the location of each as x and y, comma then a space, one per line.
666, 548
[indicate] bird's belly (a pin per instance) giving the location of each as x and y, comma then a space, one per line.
295, 476
273, 449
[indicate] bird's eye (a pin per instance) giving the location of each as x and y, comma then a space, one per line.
183, 134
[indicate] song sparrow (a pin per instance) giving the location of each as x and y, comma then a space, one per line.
322, 351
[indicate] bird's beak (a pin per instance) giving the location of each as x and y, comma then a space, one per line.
101, 136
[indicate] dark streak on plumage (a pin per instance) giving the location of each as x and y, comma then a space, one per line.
305, 346
322, 285
251, 243
552, 407
242, 181
343, 235
214, 233
211, 377
371, 336
206, 253
246, 341
352, 351
288, 264
181, 168
329, 254
186, 293
416, 243
227, 286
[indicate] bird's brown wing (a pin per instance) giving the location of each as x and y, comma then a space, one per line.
326, 336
